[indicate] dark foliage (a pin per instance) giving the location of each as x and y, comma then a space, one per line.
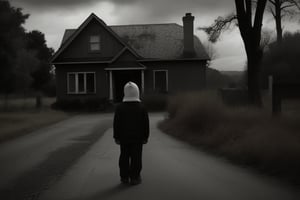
11, 39
24, 57
50, 89
234, 96
282, 60
35, 41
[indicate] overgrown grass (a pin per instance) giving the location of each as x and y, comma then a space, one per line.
19, 117
14, 104
244, 135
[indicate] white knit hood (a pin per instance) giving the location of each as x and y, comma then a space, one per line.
131, 92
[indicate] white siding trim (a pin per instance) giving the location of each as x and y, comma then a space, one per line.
110, 86
125, 68
143, 81
84, 62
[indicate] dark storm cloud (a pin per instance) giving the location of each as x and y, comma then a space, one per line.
163, 8
158, 4
62, 14
66, 3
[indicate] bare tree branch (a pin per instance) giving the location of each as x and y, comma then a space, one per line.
287, 6
271, 10
273, 2
220, 24
295, 3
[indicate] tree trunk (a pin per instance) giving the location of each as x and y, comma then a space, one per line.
278, 21
254, 57
251, 35
254, 95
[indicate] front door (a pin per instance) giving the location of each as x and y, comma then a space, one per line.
120, 78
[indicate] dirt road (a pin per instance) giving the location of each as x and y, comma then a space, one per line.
77, 159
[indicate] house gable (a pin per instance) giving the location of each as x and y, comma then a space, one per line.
125, 59
124, 55
77, 47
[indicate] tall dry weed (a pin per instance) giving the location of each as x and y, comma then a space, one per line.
244, 134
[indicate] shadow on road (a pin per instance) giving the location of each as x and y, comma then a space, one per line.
32, 183
107, 193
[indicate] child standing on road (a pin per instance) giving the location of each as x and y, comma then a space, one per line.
131, 131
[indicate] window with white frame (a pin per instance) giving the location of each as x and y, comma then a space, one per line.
81, 82
160, 82
95, 43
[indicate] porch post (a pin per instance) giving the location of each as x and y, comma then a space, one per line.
143, 81
110, 86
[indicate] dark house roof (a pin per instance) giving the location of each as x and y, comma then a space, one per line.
153, 41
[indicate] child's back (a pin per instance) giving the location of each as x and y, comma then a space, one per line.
131, 131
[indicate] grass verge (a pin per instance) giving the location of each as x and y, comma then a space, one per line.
244, 135
18, 116
14, 124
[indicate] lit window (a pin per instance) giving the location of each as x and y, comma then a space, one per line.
95, 43
81, 83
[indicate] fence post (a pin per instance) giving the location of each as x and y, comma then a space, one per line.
276, 100
270, 85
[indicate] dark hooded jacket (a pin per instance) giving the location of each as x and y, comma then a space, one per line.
131, 123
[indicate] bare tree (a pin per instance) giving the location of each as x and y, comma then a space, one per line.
248, 17
280, 9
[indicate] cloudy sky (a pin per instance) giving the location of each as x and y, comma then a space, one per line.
52, 17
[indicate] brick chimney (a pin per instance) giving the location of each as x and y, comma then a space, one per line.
188, 35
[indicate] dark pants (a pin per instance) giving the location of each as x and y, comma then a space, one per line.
130, 161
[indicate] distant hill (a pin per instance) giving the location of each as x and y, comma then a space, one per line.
215, 79
233, 73
220, 79
237, 78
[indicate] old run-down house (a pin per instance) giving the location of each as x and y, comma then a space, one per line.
96, 60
